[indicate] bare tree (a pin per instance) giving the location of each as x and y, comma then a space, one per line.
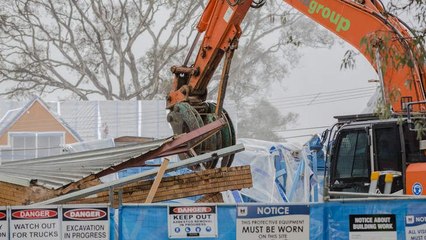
263, 121
122, 49
414, 9
116, 49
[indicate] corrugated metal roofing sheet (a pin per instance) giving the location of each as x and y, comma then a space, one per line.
57, 171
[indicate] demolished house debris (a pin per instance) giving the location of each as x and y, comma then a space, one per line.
35, 180
77, 177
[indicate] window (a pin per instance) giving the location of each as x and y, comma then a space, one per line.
412, 147
353, 155
33, 145
388, 147
49, 144
23, 145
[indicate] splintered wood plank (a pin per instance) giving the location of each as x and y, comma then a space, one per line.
157, 181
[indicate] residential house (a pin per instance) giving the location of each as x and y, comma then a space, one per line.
37, 128
33, 131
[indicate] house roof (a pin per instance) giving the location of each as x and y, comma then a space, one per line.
12, 116
57, 171
9, 117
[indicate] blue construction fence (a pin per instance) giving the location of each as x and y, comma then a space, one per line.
372, 219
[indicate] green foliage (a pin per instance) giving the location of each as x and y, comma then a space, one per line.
348, 61
383, 110
393, 52
420, 128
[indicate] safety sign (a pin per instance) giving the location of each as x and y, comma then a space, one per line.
34, 223
3, 224
192, 221
85, 222
417, 188
415, 227
290, 222
372, 227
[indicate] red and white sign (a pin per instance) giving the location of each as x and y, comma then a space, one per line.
34, 223
192, 210
85, 214
35, 214
85, 222
3, 224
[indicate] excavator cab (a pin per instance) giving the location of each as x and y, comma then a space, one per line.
361, 147
350, 160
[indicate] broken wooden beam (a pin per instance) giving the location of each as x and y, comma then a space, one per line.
157, 181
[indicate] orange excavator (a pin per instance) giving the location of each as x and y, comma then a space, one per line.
359, 145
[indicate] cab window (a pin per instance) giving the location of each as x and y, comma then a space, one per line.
353, 155
388, 148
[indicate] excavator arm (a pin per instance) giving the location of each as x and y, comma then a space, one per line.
220, 24
382, 38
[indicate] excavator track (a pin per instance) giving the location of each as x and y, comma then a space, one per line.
184, 118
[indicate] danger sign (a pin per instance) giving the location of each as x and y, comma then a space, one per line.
34, 224
192, 221
3, 225
85, 223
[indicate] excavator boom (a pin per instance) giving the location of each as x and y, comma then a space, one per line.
383, 39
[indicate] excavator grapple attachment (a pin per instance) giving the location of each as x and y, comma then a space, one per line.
185, 118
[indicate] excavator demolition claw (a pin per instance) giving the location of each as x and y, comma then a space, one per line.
184, 118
